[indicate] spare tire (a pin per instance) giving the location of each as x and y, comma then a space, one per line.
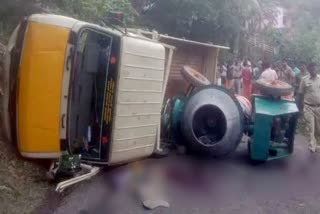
194, 77
212, 122
274, 88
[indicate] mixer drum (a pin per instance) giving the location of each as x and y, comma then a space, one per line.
212, 122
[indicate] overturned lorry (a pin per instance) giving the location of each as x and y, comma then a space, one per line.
83, 88
98, 91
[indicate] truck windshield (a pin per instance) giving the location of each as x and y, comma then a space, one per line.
88, 93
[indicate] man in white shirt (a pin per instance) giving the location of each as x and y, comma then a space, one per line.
268, 74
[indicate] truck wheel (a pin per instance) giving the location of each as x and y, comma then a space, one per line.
275, 88
212, 122
194, 77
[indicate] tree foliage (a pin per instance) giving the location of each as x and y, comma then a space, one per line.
301, 42
93, 10
11, 11
209, 20
224, 22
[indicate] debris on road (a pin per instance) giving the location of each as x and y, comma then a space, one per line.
153, 204
90, 172
70, 166
151, 188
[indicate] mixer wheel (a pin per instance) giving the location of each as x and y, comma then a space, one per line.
275, 88
194, 77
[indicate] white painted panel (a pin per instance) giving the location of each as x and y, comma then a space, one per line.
132, 96
139, 99
131, 154
143, 47
133, 132
136, 108
136, 84
141, 73
134, 143
149, 63
136, 120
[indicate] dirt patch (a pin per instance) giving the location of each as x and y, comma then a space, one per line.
22, 187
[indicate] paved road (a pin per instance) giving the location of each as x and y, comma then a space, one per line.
212, 186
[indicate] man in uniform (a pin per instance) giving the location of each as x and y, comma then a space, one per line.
309, 91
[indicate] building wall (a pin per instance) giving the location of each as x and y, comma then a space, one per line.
282, 19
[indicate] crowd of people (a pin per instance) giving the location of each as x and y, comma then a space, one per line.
239, 76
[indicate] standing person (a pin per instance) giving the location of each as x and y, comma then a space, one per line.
229, 82
223, 71
298, 78
237, 77
257, 70
287, 74
248, 62
247, 80
310, 102
296, 70
218, 76
268, 73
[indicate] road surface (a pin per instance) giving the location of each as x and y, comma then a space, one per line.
195, 186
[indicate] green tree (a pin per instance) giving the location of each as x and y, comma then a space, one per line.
300, 42
93, 10
209, 20
12, 11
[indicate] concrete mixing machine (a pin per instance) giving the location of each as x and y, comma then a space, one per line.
211, 120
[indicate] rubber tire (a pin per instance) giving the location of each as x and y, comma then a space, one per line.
188, 74
165, 114
269, 90
227, 103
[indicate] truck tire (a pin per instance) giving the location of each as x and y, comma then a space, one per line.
275, 88
194, 77
212, 122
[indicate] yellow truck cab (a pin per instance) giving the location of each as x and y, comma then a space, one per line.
84, 88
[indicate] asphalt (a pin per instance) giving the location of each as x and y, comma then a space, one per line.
193, 185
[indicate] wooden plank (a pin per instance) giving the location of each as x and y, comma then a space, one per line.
210, 64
